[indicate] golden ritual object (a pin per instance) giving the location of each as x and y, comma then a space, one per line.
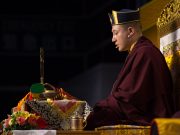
77, 122
49, 90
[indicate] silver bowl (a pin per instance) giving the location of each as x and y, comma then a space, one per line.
50, 94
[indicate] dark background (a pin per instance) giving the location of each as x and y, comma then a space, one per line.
75, 34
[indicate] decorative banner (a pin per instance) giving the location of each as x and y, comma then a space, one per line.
170, 47
168, 25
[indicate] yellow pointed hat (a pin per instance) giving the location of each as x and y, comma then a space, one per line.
124, 16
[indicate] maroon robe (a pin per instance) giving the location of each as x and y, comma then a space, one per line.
143, 90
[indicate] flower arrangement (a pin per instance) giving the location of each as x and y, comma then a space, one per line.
23, 120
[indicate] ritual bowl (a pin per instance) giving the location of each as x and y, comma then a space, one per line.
50, 94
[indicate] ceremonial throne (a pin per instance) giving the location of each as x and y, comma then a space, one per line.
168, 26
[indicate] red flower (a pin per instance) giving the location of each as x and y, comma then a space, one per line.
21, 120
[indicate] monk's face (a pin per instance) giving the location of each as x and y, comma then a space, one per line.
120, 37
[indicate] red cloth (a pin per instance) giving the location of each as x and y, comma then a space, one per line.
142, 91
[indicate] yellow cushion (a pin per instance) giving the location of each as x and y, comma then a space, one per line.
167, 126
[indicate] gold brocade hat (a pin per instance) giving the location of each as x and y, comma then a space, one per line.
124, 16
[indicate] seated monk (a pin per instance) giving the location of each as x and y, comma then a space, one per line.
143, 89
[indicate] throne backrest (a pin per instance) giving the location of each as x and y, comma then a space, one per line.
168, 25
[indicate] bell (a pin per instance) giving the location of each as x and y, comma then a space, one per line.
77, 122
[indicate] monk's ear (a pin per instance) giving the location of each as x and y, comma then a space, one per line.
131, 31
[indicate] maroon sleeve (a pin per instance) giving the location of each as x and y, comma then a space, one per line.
137, 85
133, 89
